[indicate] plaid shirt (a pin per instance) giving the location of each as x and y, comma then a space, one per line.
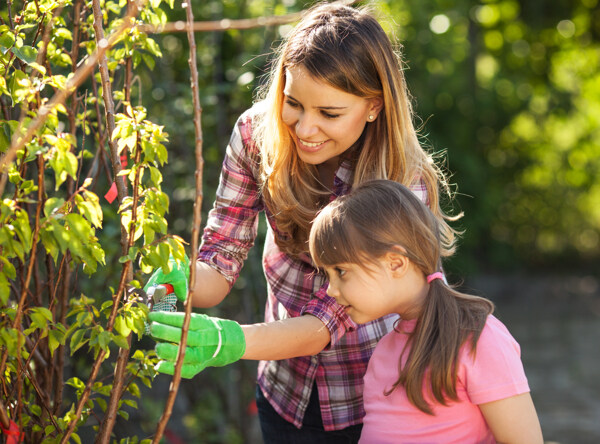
295, 288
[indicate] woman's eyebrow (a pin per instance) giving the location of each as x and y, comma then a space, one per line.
289, 96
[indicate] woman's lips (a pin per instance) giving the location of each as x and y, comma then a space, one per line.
310, 146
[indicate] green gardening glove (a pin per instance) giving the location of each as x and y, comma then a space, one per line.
178, 277
211, 342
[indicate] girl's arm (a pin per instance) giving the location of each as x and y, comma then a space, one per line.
513, 420
289, 338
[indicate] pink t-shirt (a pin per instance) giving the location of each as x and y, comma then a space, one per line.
495, 373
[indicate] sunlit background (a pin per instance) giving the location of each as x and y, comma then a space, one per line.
507, 96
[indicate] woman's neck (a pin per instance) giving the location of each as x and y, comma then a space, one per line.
327, 171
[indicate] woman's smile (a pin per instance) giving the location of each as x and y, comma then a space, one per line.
323, 121
310, 146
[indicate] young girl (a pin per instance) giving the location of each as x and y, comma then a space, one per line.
449, 372
336, 112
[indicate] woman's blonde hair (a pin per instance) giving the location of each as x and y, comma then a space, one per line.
346, 48
380, 216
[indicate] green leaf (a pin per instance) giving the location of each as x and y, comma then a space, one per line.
120, 341
104, 338
131, 403
149, 61
77, 340
26, 53
38, 320
76, 383
53, 204
102, 403
153, 47
7, 40
121, 326
4, 288
35, 409
134, 390
63, 33
8, 268
55, 339
38, 67
89, 206
137, 58
18, 86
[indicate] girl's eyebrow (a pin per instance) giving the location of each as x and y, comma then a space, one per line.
289, 96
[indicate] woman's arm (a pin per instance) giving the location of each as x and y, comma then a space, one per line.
210, 287
301, 336
513, 420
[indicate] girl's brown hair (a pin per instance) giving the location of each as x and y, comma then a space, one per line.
380, 216
346, 48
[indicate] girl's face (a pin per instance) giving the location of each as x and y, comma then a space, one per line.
323, 121
391, 285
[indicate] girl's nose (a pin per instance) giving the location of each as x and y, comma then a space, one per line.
333, 291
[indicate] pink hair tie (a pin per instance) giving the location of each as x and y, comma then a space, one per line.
434, 276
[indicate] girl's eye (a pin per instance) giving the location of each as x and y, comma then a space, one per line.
340, 272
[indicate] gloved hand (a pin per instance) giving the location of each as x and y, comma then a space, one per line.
178, 277
211, 342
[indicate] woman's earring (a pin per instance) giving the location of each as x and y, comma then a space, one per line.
371, 117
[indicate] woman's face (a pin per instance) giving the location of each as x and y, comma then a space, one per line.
323, 121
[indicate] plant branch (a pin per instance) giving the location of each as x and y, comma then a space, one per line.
221, 25
109, 109
195, 228
110, 415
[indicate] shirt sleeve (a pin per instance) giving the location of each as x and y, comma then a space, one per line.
496, 371
232, 223
325, 308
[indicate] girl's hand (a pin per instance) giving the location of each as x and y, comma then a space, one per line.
513, 420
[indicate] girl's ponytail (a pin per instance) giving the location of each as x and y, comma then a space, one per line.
447, 321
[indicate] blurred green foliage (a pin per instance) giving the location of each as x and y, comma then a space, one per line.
508, 91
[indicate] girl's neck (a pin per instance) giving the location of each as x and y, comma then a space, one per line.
418, 287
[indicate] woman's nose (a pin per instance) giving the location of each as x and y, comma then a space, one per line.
306, 127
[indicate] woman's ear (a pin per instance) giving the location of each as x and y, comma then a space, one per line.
398, 263
375, 107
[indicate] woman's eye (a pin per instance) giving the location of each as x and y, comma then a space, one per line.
292, 103
329, 115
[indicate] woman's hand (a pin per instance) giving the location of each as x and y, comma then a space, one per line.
211, 342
